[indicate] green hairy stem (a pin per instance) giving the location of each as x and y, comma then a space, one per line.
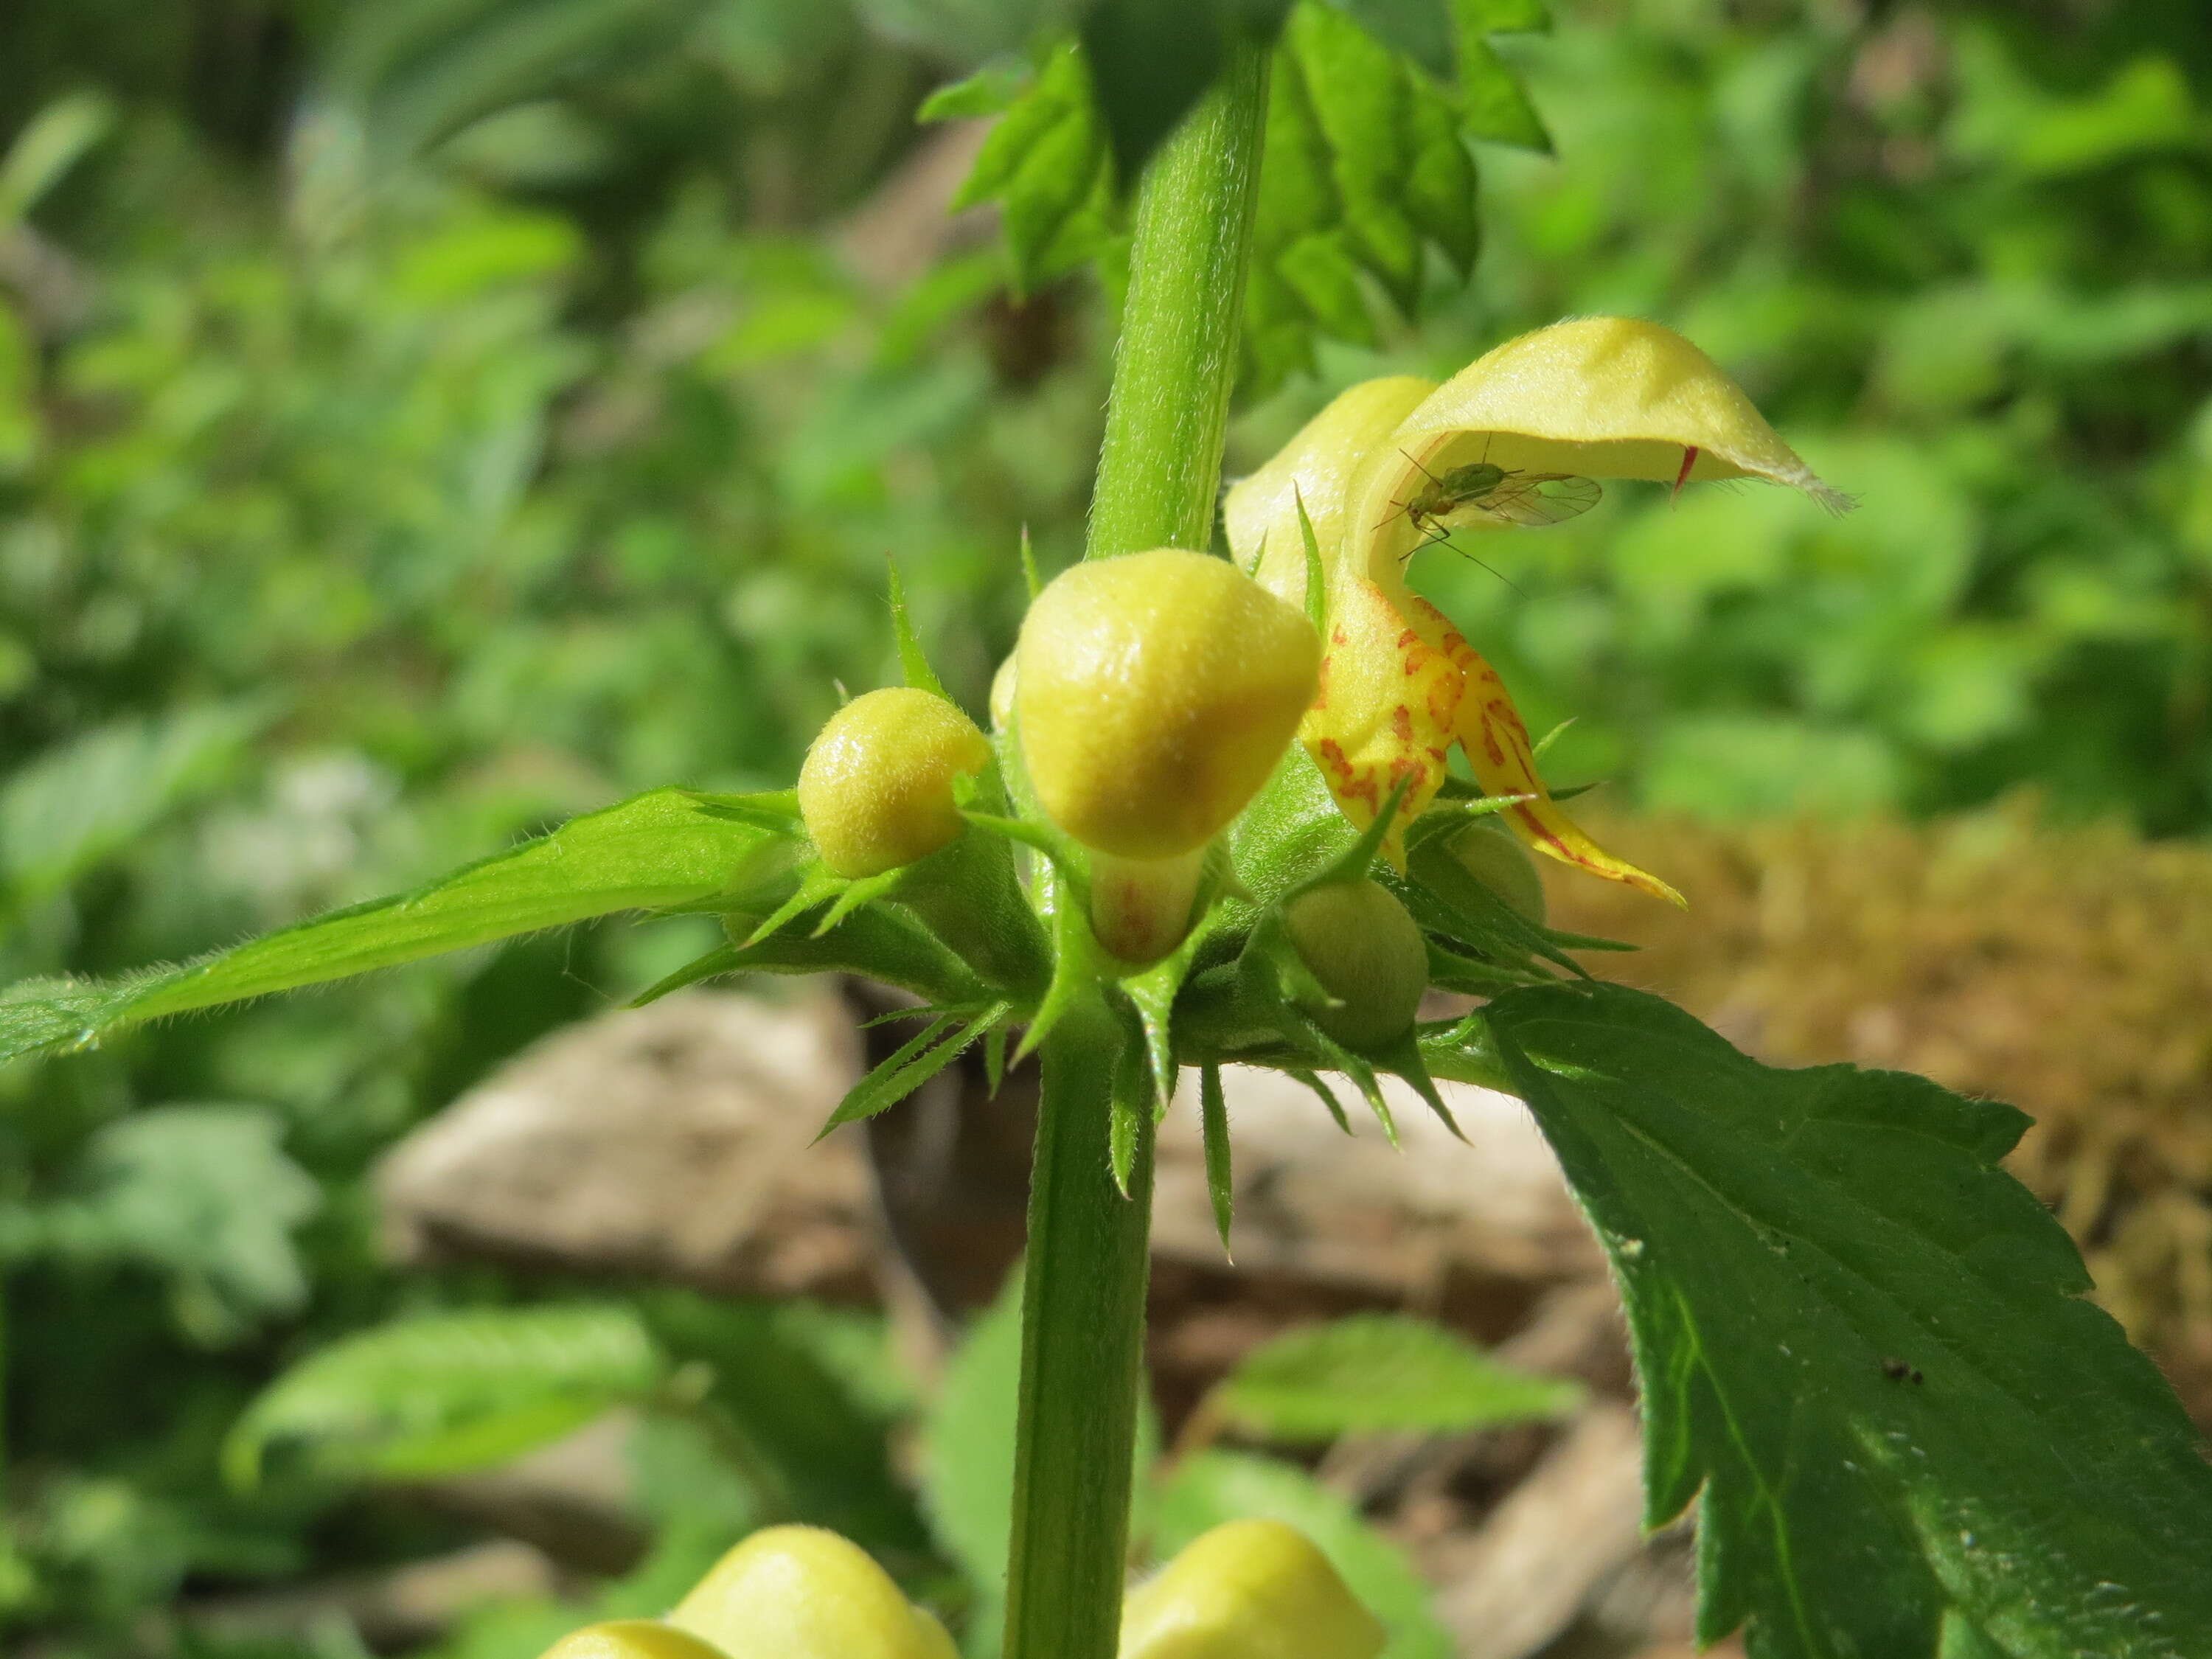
1159, 469
1083, 1309
1082, 1328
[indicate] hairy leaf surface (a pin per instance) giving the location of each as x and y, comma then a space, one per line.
1868, 1345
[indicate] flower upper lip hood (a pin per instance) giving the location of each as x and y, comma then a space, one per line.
1597, 397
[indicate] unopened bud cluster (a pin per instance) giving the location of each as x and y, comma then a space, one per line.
1250, 1590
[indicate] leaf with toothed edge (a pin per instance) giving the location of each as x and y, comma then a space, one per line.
1869, 1347
1046, 163
1368, 176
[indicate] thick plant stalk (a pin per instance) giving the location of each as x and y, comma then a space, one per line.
1083, 1327
1159, 469
1083, 1306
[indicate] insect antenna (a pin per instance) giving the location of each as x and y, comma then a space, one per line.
1425, 472
1435, 535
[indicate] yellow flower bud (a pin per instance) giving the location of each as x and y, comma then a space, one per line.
1248, 1590
632, 1639
803, 1593
1487, 850
1157, 691
1002, 695
1366, 949
876, 790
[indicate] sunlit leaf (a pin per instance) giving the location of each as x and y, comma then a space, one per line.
670, 847
1869, 1347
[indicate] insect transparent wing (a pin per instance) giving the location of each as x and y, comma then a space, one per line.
1536, 499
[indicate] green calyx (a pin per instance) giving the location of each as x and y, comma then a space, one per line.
1367, 951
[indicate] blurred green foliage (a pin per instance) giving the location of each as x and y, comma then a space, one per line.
421, 422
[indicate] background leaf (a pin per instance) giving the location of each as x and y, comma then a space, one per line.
1378, 1371
1046, 165
74, 805
204, 1196
1868, 1345
1212, 1488
1367, 165
447, 1392
1151, 60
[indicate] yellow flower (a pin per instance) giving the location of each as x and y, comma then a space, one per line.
1248, 1590
802, 1593
1596, 397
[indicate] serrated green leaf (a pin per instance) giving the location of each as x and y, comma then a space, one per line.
1869, 1347
1046, 165
661, 848
1366, 163
1365, 166
1380, 1372
448, 1392
1215, 1487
